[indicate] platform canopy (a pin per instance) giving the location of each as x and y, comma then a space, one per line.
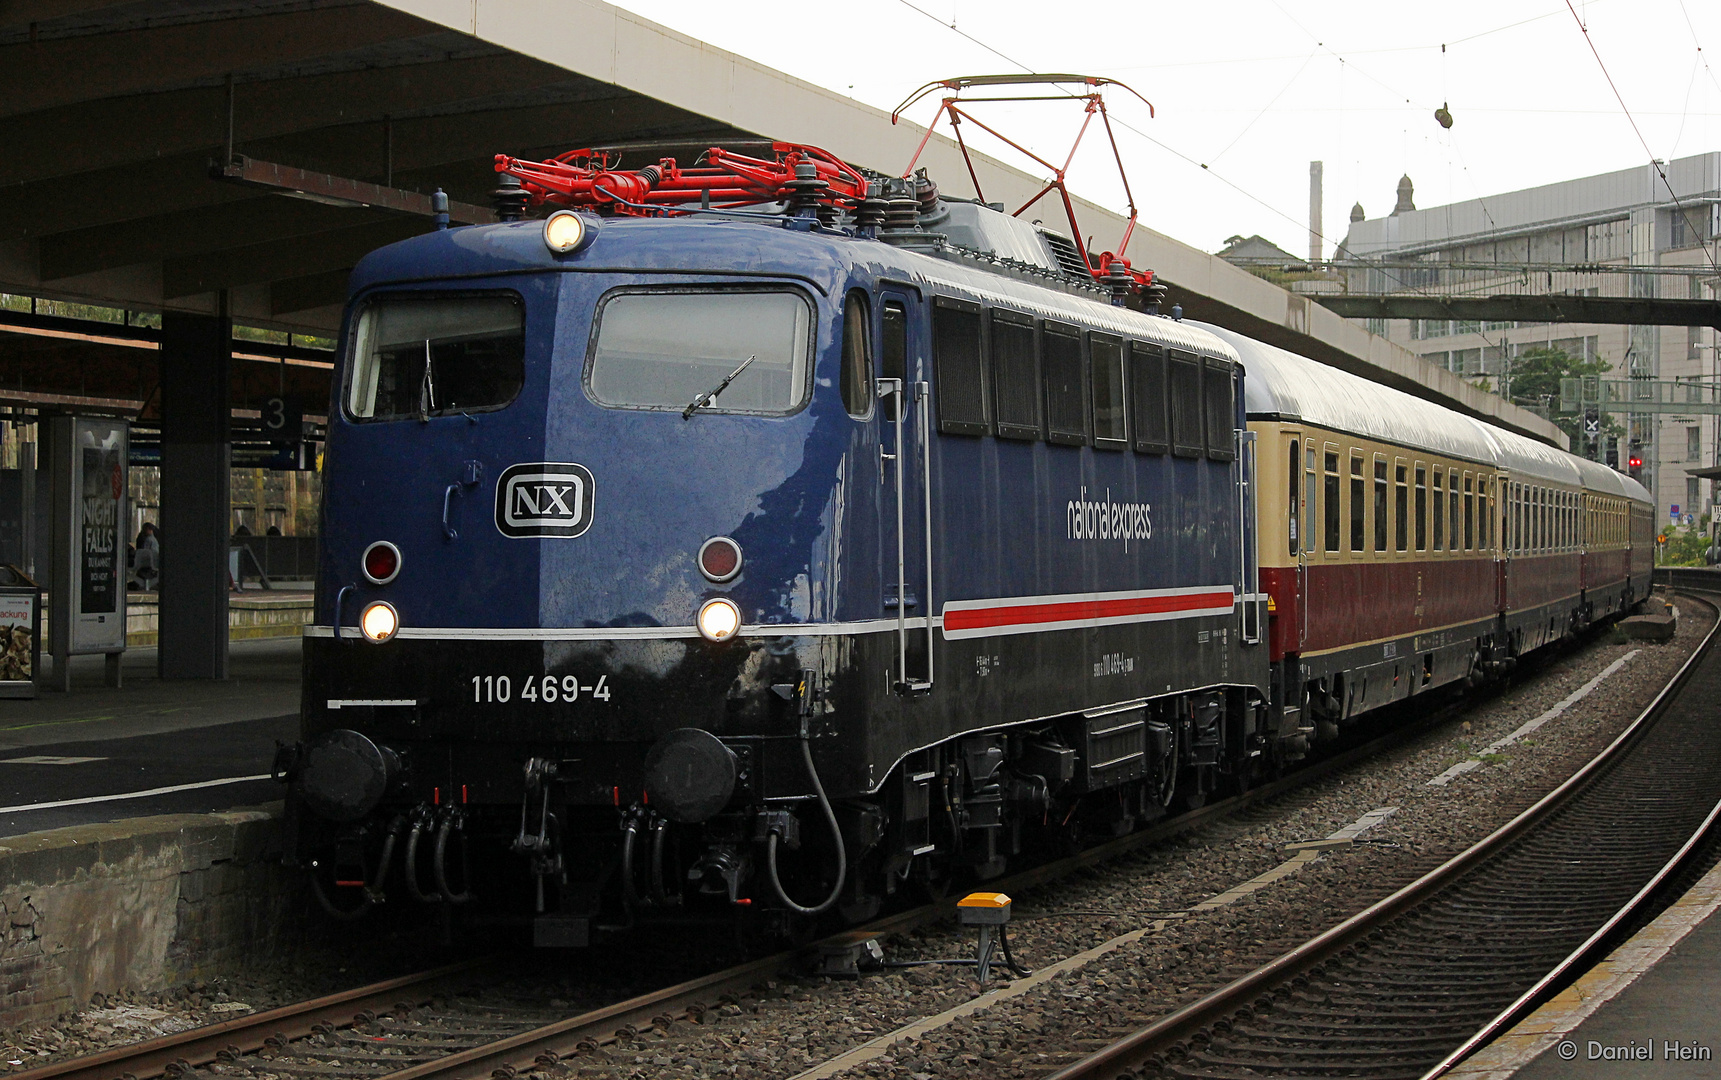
167, 154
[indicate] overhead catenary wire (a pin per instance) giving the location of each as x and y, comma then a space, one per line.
1655, 163
1180, 155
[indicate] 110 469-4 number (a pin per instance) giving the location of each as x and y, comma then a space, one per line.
538, 689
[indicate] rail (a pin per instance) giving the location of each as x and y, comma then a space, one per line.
525, 1050
1205, 1021
248, 1034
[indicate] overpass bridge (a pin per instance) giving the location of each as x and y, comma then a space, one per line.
191, 165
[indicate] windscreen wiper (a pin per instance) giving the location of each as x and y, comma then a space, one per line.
426, 387
711, 395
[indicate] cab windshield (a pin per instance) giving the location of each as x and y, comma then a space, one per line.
424, 356
660, 349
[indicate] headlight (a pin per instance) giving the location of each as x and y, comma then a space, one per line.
379, 621
719, 619
565, 231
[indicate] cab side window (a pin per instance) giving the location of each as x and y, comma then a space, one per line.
857, 355
893, 342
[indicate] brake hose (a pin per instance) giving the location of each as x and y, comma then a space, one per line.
836, 837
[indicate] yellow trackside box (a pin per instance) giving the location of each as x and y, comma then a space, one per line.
983, 909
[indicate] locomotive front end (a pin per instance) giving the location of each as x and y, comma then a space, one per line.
571, 496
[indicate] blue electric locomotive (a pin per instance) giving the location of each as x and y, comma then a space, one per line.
765, 559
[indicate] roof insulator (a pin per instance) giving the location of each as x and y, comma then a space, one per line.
509, 198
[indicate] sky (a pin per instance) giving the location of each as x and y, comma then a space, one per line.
1247, 93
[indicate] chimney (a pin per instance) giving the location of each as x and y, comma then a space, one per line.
1315, 242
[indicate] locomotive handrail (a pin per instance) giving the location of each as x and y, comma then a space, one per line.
923, 394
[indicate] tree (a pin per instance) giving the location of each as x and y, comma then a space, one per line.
1536, 375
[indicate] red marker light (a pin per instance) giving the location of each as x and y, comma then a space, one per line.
436, 796
381, 562
720, 559
462, 794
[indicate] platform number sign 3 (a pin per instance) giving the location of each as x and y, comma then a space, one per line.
283, 421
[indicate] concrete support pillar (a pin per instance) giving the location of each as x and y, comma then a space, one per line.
196, 355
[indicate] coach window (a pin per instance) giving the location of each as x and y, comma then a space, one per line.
857, 355
1379, 503
959, 367
1402, 507
1521, 518
1452, 501
1311, 492
1359, 504
1066, 398
1332, 501
1421, 508
1484, 512
1148, 398
1517, 503
1296, 481
1221, 410
1469, 514
1105, 368
1016, 376
1186, 438
1439, 509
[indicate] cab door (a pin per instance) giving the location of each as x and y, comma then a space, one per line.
904, 420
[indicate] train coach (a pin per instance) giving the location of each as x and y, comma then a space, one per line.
1406, 547
766, 561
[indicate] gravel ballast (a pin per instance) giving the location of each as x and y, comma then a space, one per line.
791, 1025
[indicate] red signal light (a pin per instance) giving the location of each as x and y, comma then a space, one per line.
1635, 463
720, 559
381, 562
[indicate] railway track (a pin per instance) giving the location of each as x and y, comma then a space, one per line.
1410, 986
404, 1028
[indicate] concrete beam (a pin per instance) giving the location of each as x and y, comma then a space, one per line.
279, 259
98, 134
38, 75
24, 12
1634, 311
619, 47
261, 219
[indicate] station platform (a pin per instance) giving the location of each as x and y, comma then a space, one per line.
1650, 1011
189, 747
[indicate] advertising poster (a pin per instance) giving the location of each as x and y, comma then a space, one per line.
98, 530
20, 621
102, 489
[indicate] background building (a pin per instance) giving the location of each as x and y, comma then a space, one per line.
1580, 237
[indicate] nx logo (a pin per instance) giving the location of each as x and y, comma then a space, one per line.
544, 498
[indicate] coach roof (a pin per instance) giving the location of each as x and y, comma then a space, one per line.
1286, 386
